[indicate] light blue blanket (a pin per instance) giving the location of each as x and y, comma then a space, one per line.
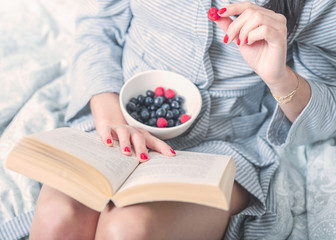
35, 48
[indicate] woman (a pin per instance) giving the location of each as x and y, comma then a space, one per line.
260, 89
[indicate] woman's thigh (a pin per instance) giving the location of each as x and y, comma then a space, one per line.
168, 220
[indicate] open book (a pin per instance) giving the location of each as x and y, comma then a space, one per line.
81, 166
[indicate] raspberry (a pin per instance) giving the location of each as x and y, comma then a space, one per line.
212, 14
159, 91
161, 123
184, 118
169, 93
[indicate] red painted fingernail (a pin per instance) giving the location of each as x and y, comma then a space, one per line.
238, 42
226, 38
246, 39
221, 11
172, 151
143, 156
108, 141
127, 149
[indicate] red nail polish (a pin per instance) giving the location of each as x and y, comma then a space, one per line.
172, 151
221, 11
127, 149
246, 39
108, 141
143, 156
226, 38
238, 42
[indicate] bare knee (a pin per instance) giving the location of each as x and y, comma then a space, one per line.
58, 215
50, 219
239, 199
134, 222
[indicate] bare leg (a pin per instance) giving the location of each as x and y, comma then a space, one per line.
58, 216
169, 220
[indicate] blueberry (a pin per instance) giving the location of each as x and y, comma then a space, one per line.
131, 107
136, 116
161, 112
152, 107
141, 99
138, 107
176, 113
175, 104
178, 123
182, 111
171, 123
152, 114
158, 101
165, 106
152, 122
148, 101
169, 100
179, 99
144, 114
149, 93
169, 114
134, 100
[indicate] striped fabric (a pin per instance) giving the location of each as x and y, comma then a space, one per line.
117, 39
17, 228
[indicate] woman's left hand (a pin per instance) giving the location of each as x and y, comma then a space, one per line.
261, 35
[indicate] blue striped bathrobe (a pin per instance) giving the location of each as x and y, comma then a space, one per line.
119, 38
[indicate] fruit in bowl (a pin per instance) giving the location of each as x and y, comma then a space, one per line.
159, 108
161, 102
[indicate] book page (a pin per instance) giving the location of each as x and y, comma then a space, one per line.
114, 165
185, 167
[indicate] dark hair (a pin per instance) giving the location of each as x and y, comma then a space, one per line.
291, 9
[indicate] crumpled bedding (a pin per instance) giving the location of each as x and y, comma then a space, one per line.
36, 43
35, 49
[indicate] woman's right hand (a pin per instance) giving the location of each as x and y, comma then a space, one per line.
111, 125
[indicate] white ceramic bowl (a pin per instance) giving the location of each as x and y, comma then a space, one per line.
150, 80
